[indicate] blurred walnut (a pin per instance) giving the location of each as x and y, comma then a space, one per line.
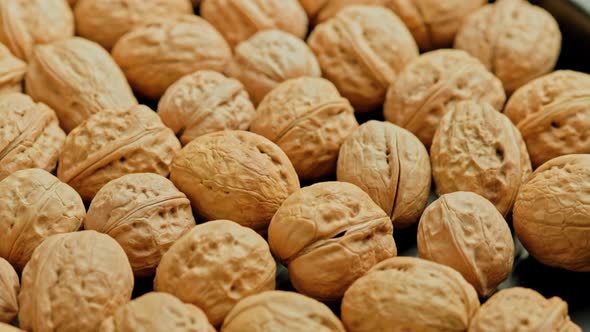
9, 328
12, 71
9, 287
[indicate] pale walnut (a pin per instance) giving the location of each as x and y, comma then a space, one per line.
9, 328
12, 71
391, 165
425, 89
328, 235
215, 265
409, 294
235, 175
9, 287
73, 282
309, 120
145, 213
154, 56
113, 143
478, 149
361, 50
515, 40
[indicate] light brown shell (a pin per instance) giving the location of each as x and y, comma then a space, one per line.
552, 114
552, 213
268, 58
330, 234
235, 175
77, 78
9, 328
73, 282
215, 265
113, 143
145, 213
478, 149
361, 50
205, 102
154, 56
309, 120
281, 311
30, 136
515, 40
426, 88
9, 287
391, 165
12, 71
409, 294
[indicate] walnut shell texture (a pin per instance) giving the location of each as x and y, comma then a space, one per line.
391, 165
9, 287
309, 120
73, 282
9, 328
329, 234
12, 71
398, 295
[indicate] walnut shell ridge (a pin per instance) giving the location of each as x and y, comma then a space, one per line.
9, 288
12, 71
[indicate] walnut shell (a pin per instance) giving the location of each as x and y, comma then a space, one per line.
313, 7
552, 114
517, 41
426, 88
73, 281
235, 175
281, 311
238, 20
329, 234
397, 295
113, 143
552, 213
268, 58
9, 328
145, 213
77, 78
215, 265
309, 120
478, 149
391, 165
30, 136
12, 71
361, 50
35, 205
205, 102
9, 287
154, 56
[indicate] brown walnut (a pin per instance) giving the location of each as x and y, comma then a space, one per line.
9, 287
12, 71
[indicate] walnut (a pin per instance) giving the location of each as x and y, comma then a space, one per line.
426, 88
235, 175
391, 165
145, 213
329, 234
397, 294
309, 120
113, 143
517, 41
9, 287
9, 328
215, 265
73, 281
361, 50
12, 71
205, 102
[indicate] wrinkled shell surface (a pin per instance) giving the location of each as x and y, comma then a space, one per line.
330, 234
12, 71
409, 294
73, 282
391, 165
9, 287
309, 120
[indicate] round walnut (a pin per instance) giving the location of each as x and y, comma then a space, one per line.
391, 165
153, 56
268, 58
205, 102
145, 213
362, 50
552, 213
426, 88
215, 265
9, 287
281, 311
12, 71
235, 175
73, 282
30, 136
113, 143
526, 41
478, 149
329, 234
552, 114
309, 120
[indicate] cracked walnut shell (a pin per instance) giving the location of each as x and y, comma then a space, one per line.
12, 72
9, 287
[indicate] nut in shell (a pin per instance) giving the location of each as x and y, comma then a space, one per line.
12, 71
9, 287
